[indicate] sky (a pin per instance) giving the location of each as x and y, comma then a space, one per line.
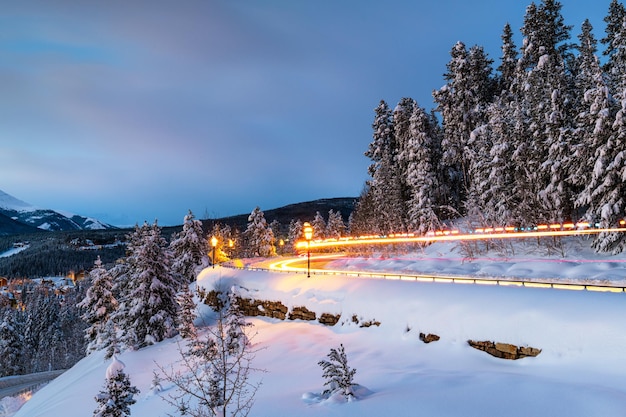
140, 111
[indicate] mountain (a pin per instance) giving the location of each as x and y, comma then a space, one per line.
8, 226
45, 219
303, 211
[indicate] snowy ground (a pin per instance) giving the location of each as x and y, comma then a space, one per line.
582, 334
13, 251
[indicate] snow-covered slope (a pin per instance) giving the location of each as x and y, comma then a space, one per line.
45, 219
578, 373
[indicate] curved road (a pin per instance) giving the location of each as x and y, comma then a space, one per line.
14, 385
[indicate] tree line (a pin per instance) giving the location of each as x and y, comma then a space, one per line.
540, 139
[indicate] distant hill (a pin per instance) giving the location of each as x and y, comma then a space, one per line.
298, 211
8, 226
41, 218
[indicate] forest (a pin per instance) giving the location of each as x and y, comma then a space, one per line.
539, 139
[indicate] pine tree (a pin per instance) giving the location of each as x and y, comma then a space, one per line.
508, 61
118, 394
385, 187
188, 314
462, 102
338, 375
612, 41
295, 232
421, 173
260, 237
10, 344
148, 308
189, 249
319, 226
335, 228
99, 305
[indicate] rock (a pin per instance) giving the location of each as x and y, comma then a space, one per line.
329, 319
302, 313
428, 338
504, 350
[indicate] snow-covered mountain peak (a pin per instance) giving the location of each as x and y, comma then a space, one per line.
8, 202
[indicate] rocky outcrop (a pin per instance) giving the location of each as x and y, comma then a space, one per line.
362, 323
504, 350
428, 338
329, 319
274, 309
302, 313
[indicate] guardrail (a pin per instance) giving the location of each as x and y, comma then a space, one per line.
528, 283
18, 384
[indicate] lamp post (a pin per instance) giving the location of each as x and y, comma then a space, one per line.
214, 244
308, 235
281, 244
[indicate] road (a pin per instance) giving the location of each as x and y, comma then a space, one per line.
14, 385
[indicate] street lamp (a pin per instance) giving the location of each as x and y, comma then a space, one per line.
214, 244
308, 235
281, 244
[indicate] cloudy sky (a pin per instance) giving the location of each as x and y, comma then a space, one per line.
141, 110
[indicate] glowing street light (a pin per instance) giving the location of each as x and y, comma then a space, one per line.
308, 235
214, 244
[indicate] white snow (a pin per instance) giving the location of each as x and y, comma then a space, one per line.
582, 334
13, 251
9, 202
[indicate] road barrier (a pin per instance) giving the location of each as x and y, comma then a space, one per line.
505, 282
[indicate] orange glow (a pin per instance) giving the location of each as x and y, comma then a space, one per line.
542, 227
372, 240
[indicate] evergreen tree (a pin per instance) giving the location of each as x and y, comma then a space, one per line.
189, 249
295, 232
462, 102
98, 306
338, 375
508, 61
614, 23
335, 228
148, 308
188, 314
118, 394
10, 344
421, 173
363, 220
385, 187
319, 226
260, 236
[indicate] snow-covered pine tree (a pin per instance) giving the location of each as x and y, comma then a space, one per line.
338, 375
319, 226
259, 235
98, 307
362, 220
188, 314
508, 61
118, 394
189, 249
385, 187
421, 173
295, 232
11, 344
594, 119
335, 228
462, 102
148, 307
614, 23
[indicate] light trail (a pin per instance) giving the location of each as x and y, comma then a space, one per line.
286, 266
455, 235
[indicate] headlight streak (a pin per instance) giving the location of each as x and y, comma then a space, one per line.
480, 234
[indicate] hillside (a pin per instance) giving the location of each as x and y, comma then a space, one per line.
579, 372
304, 211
